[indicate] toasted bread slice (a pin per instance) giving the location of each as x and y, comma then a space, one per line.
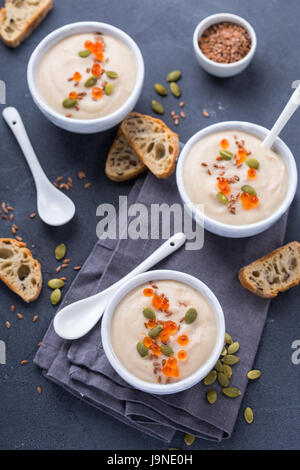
274, 273
19, 270
123, 162
156, 145
20, 17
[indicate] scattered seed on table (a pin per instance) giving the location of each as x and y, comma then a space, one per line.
20, 316
77, 268
35, 318
87, 185
7, 324
205, 113
32, 215
39, 390
12, 308
81, 175
24, 362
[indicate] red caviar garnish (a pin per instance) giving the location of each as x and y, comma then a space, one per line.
183, 340
96, 70
241, 156
252, 174
73, 95
170, 369
77, 77
97, 92
224, 144
164, 336
88, 45
160, 303
148, 292
170, 326
249, 201
97, 50
147, 341
181, 354
224, 186
151, 323
156, 350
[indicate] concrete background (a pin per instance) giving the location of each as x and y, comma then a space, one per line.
163, 29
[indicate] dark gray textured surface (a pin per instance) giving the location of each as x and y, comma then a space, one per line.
163, 30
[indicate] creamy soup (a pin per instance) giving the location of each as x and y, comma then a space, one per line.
87, 76
237, 180
164, 331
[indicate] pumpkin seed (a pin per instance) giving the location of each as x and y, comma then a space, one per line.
55, 296
219, 366
174, 76
228, 338
189, 439
249, 189
227, 371
157, 107
210, 378
112, 74
190, 316
222, 379
166, 350
90, 82
160, 89
60, 251
56, 283
248, 415
222, 198
230, 359
141, 349
224, 352
211, 396
154, 332
226, 154
108, 89
69, 103
231, 392
175, 89
149, 313
85, 53
234, 347
252, 163
254, 374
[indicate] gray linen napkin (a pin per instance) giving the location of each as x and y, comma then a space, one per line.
81, 366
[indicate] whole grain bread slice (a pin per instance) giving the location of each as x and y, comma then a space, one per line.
19, 270
156, 145
276, 272
19, 18
122, 162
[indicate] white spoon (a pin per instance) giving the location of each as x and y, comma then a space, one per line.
287, 112
54, 207
77, 319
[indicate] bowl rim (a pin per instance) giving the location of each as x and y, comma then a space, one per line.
239, 231
75, 28
218, 18
155, 388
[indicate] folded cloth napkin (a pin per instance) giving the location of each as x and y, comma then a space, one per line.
81, 366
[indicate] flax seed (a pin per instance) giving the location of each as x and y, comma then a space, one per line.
182, 114
35, 318
81, 175
181, 104
205, 113
87, 185
20, 316
39, 390
12, 308
19, 239
3, 205
58, 269
24, 362
32, 215
77, 268
7, 324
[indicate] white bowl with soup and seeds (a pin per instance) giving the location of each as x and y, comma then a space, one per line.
243, 187
86, 77
163, 331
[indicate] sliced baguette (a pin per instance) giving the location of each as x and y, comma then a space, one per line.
19, 270
274, 273
156, 145
19, 18
123, 162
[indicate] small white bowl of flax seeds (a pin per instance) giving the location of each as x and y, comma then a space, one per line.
224, 44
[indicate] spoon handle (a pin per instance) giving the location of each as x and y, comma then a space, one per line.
284, 117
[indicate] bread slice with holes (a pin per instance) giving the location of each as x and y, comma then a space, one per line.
276, 272
122, 162
156, 145
19, 18
19, 270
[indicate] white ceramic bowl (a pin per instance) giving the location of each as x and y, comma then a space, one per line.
214, 68
239, 231
162, 389
84, 126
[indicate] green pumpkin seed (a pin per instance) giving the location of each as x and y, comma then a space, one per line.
190, 316
141, 349
249, 189
56, 283
160, 89
227, 371
234, 347
60, 251
90, 82
55, 296
112, 74
154, 332
166, 350
222, 198
108, 89
175, 89
149, 313
189, 439
210, 378
230, 359
69, 103
219, 366
228, 338
211, 396
83, 54
252, 163
222, 379
174, 76
248, 415
231, 392
226, 154
224, 352
157, 107
254, 374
